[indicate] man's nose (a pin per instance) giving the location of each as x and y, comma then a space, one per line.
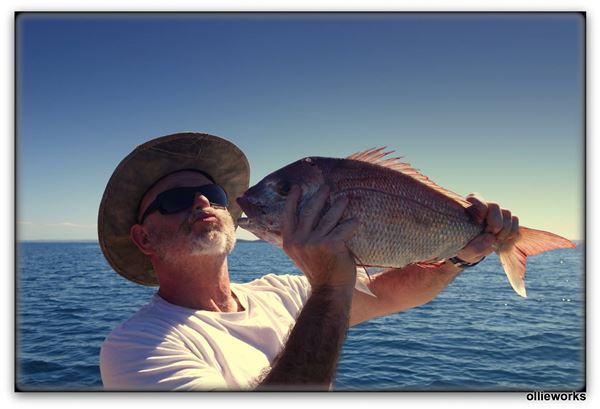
200, 201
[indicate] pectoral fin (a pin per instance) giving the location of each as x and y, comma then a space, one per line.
362, 280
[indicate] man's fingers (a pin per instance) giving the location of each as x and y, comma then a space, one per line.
332, 217
345, 230
500, 227
289, 215
310, 214
477, 248
493, 219
506, 226
515, 226
478, 208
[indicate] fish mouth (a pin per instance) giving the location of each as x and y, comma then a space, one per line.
260, 231
243, 222
251, 209
256, 227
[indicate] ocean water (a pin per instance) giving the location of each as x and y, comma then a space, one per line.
476, 335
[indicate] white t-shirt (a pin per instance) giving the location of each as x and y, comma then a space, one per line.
168, 347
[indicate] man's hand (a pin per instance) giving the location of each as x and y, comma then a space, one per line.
501, 228
318, 244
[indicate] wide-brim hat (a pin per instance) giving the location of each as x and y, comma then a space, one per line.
141, 169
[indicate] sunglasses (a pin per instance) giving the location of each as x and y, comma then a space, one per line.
181, 198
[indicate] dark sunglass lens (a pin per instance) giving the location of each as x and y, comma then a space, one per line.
176, 200
181, 198
215, 194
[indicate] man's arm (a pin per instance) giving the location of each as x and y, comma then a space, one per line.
401, 289
309, 358
317, 245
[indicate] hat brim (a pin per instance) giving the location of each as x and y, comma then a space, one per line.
143, 167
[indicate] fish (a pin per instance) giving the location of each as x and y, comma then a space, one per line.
404, 217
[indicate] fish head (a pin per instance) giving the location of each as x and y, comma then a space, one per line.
264, 203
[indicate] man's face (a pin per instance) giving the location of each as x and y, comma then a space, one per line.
198, 230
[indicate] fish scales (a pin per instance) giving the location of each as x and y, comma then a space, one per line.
403, 217
411, 223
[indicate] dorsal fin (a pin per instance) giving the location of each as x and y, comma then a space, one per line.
377, 156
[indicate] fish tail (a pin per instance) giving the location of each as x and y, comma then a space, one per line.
513, 256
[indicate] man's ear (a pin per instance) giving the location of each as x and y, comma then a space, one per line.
140, 238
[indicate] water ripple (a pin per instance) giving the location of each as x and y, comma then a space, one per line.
477, 335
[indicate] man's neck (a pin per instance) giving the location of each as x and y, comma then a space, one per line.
198, 282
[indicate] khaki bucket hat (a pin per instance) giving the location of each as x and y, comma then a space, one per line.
143, 167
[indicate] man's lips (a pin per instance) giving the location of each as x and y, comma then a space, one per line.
207, 219
204, 217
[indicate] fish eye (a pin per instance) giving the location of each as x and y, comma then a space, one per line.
283, 187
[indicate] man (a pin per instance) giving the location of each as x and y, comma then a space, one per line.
168, 217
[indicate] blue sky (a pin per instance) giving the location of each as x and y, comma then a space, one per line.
479, 102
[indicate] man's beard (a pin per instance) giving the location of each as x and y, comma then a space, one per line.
214, 239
